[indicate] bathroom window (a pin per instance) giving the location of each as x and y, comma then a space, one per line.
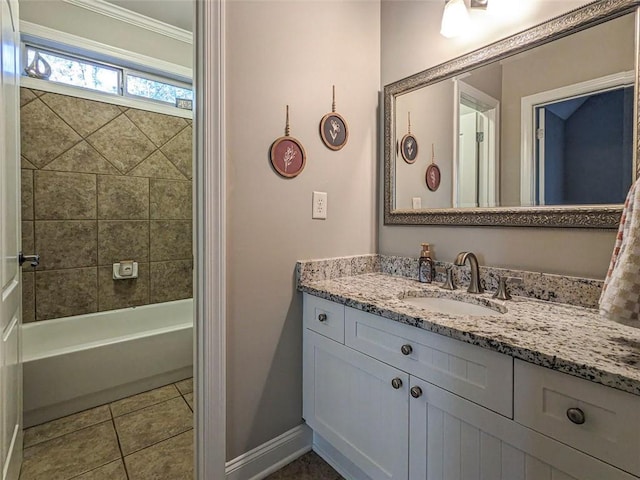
59, 66
157, 90
56, 67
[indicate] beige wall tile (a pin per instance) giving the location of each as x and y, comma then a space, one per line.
28, 246
171, 281
123, 240
84, 116
113, 294
28, 297
24, 163
26, 96
123, 198
122, 143
170, 199
158, 127
61, 195
43, 134
28, 240
66, 244
180, 151
27, 194
170, 240
82, 158
157, 165
61, 293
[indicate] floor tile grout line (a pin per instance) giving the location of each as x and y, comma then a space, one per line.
66, 433
190, 429
185, 401
146, 406
115, 429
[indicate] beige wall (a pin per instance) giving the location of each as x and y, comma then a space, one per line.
75, 20
100, 184
279, 53
410, 43
428, 129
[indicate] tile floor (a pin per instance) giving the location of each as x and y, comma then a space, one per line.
143, 437
148, 436
308, 467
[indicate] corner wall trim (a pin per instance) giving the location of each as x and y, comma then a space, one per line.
271, 456
122, 14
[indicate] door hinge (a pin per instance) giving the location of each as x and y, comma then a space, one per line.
540, 133
479, 137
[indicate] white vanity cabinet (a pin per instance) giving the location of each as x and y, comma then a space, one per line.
399, 402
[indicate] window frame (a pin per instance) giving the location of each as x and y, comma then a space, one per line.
122, 70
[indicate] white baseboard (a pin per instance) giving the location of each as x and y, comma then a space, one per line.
337, 460
271, 456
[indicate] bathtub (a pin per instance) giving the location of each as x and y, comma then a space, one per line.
75, 363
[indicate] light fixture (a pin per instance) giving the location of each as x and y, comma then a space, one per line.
455, 18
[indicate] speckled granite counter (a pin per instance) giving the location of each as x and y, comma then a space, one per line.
566, 338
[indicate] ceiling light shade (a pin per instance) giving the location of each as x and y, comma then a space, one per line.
455, 18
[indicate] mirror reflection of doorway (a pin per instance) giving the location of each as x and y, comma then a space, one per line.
575, 138
477, 148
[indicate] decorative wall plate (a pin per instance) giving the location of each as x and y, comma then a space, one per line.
333, 128
409, 144
288, 157
432, 176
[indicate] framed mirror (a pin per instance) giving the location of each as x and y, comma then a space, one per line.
538, 129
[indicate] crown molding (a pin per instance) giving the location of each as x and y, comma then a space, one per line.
50, 34
127, 16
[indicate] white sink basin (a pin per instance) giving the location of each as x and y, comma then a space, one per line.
451, 306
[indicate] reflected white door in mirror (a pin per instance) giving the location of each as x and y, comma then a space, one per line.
375, 389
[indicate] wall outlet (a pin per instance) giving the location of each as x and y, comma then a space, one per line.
319, 205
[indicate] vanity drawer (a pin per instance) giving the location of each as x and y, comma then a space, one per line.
477, 374
611, 428
324, 317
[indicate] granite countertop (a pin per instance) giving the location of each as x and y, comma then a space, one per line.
566, 338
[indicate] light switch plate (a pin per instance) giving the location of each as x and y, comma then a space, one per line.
416, 203
319, 205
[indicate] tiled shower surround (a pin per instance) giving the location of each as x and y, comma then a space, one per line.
103, 183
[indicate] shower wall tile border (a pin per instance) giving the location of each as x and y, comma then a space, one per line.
95, 180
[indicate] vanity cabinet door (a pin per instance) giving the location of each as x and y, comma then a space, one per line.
349, 400
453, 439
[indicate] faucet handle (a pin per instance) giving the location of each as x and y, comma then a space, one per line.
502, 293
448, 284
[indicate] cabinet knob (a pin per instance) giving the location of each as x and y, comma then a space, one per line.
396, 383
322, 317
416, 392
576, 416
406, 349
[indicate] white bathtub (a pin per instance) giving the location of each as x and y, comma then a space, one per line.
75, 363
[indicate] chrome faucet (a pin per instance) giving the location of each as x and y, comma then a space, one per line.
474, 284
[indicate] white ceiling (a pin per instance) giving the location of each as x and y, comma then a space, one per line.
178, 13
